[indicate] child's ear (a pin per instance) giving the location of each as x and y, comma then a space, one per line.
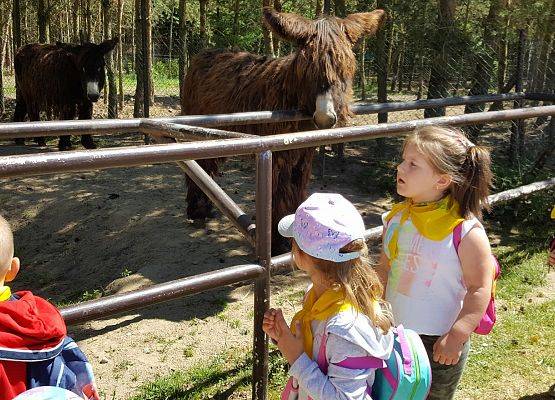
14, 269
443, 182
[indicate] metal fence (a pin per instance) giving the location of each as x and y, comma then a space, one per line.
229, 143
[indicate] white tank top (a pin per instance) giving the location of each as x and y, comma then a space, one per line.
425, 285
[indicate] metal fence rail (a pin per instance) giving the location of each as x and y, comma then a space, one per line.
84, 160
118, 303
148, 125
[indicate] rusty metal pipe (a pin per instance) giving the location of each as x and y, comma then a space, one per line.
262, 285
85, 160
216, 194
432, 103
187, 132
110, 305
106, 127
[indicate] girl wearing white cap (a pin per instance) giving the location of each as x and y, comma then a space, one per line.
342, 334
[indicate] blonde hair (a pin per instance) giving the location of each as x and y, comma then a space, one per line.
6, 244
468, 165
363, 288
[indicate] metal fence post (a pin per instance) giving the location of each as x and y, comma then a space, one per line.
262, 285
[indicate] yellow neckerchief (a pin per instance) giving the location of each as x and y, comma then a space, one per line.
553, 213
434, 220
331, 302
5, 293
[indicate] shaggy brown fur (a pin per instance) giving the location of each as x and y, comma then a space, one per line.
225, 82
53, 78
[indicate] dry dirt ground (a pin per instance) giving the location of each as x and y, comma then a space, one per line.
103, 232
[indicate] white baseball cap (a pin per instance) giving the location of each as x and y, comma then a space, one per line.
48, 393
322, 225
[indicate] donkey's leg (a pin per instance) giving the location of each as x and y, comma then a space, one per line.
34, 115
19, 116
283, 196
293, 175
199, 205
65, 141
41, 140
85, 112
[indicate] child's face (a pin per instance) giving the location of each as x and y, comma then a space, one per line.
417, 179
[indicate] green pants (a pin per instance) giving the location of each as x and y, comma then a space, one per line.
445, 378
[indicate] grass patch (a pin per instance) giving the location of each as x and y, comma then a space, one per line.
516, 359
226, 376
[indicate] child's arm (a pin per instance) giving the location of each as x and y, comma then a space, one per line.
382, 269
340, 383
476, 263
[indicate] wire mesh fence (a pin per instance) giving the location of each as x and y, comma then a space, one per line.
426, 49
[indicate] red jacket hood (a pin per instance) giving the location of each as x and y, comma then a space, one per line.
30, 323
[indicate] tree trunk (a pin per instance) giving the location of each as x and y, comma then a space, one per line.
42, 20
148, 49
268, 42
275, 38
327, 7
87, 18
319, 8
517, 128
120, 54
502, 53
112, 91
134, 23
546, 40
381, 63
235, 30
362, 70
182, 42
138, 109
483, 70
203, 4
75, 21
4, 29
340, 9
442, 46
16, 25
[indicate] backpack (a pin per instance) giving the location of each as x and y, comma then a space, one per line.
406, 375
488, 319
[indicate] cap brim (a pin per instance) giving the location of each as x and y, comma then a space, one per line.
285, 226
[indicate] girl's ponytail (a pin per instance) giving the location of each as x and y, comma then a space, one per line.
472, 190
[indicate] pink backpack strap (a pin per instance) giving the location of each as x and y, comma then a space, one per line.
365, 362
457, 236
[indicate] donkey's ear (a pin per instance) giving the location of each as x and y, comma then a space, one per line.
108, 45
363, 24
290, 27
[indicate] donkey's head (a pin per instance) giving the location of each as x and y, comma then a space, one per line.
324, 64
89, 61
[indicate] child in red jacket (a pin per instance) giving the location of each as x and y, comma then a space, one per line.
34, 348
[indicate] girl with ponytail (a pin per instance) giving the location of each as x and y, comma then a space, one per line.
436, 288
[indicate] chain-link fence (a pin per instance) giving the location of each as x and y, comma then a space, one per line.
423, 51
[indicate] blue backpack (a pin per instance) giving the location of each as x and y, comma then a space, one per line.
406, 375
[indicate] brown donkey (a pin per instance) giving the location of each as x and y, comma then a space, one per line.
316, 79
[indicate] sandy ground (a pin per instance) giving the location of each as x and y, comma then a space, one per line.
97, 233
